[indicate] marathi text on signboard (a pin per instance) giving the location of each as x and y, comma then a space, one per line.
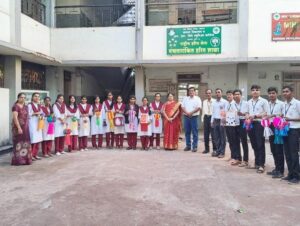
286, 27
194, 40
159, 85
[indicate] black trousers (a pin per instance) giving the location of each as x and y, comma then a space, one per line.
291, 149
257, 139
220, 136
244, 141
277, 152
208, 130
233, 137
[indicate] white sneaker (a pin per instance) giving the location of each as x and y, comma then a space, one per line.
63, 152
58, 154
81, 149
86, 149
158, 148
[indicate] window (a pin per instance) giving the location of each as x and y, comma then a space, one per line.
35, 9
176, 12
33, 76
95, 13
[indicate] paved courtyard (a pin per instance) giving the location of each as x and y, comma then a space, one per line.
113, 187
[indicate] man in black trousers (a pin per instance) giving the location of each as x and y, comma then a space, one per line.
206, 118
242, 107
258, 109
291, 112
275, 110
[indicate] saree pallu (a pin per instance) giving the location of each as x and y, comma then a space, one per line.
172, 129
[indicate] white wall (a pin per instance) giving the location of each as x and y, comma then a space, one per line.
217, 76
155, 39
4, 119
260, 28
4, 21
106, 43
34, 35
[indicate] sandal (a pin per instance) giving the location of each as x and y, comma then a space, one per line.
243, 164
260, 170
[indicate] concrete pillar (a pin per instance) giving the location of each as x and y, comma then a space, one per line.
242, 77
139, 84
15, 22
243, 21
199, 13
54, 81
139, 27
173, 13
13, 76
12, 81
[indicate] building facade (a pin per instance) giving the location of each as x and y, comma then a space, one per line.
85, 47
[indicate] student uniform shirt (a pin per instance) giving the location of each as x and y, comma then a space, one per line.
292, 110
207, 107
276, 108
242, 107
258, 107
232, 118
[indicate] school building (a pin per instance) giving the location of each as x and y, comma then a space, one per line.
85, 47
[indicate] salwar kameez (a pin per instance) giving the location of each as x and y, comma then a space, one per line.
157, 124
85, 110
109, 126
144, 128
36, 133
119, 122
131, 125
60, 114
48, 131
97, 125
72, 124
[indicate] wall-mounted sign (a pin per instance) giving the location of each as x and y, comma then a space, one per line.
194, 40
29, 93
159, 85
286, 27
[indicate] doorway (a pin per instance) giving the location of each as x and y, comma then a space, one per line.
292, 79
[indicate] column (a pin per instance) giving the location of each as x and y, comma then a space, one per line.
139, 84
242, 73
54, 81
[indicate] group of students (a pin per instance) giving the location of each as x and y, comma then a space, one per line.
258, 118
65, 123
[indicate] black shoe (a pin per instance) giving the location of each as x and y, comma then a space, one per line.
277, 175
194, 150
271, 173
205, 152
214, 154
294, 181
187, 149
287, 178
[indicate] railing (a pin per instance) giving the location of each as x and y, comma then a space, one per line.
174, 12
34, 9
95, 16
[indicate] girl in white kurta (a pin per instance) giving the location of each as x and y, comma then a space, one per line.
97, 123
107, 108
48, 131
85, 111
36, 134
144, 129
72, 122
119, 122
131, 122
60, 113
157, 123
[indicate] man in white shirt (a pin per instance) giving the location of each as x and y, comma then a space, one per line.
276, 107
291, 113
243, 109
206, 118
258, 109
191, 107
217, 122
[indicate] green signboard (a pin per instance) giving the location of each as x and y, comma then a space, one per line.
194, 40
